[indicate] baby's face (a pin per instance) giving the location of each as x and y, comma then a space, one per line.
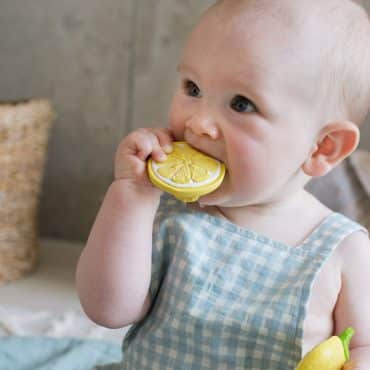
245, 100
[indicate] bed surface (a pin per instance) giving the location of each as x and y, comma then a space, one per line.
45, 302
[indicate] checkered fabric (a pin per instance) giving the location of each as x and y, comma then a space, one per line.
225, 297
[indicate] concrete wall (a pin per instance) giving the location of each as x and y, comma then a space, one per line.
108, 67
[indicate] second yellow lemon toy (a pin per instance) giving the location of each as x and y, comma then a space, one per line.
186, 173
329, 355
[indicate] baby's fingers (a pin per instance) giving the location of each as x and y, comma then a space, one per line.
350, 365
165, 139
146, 143
138, 143
155, 143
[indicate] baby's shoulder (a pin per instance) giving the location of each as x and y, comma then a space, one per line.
345, 235
354, 251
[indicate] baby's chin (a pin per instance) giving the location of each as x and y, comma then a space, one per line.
220, 197
224, 196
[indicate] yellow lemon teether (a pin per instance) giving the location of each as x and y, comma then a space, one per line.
331, 354
187, 173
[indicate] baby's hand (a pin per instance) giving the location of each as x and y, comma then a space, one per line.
350, 365
133, 152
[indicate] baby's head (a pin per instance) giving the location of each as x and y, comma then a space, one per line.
274, 88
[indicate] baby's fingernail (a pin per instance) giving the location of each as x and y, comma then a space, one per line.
168, 148
162, 156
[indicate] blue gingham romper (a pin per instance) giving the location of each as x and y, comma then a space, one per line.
224, 297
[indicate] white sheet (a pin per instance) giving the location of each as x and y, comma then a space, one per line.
22, 322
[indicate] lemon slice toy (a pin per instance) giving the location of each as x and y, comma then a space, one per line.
187, 173
331, 354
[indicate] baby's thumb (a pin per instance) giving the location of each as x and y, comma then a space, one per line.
350, 365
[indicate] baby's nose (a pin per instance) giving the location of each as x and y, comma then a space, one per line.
202, 124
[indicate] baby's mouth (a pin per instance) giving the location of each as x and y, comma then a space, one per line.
200, 143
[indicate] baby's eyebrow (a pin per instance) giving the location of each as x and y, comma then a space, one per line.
184, 67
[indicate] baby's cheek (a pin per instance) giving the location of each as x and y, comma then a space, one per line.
243, 151
177, 118
177, 130
248, 173
248, 165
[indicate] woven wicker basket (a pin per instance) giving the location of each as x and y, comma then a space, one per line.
24, 132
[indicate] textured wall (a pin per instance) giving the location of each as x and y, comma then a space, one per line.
108, 66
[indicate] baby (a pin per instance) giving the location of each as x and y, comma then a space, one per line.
259, 271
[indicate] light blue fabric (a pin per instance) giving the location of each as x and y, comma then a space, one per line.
225, 297
41, 353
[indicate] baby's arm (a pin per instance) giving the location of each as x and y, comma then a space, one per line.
353, 306
113, 272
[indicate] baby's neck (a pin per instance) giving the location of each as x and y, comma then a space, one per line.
271, 210
289, 220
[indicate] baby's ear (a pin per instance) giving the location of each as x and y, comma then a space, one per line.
335, 142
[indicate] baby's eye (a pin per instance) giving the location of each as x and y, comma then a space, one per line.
191, 89
242, 104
